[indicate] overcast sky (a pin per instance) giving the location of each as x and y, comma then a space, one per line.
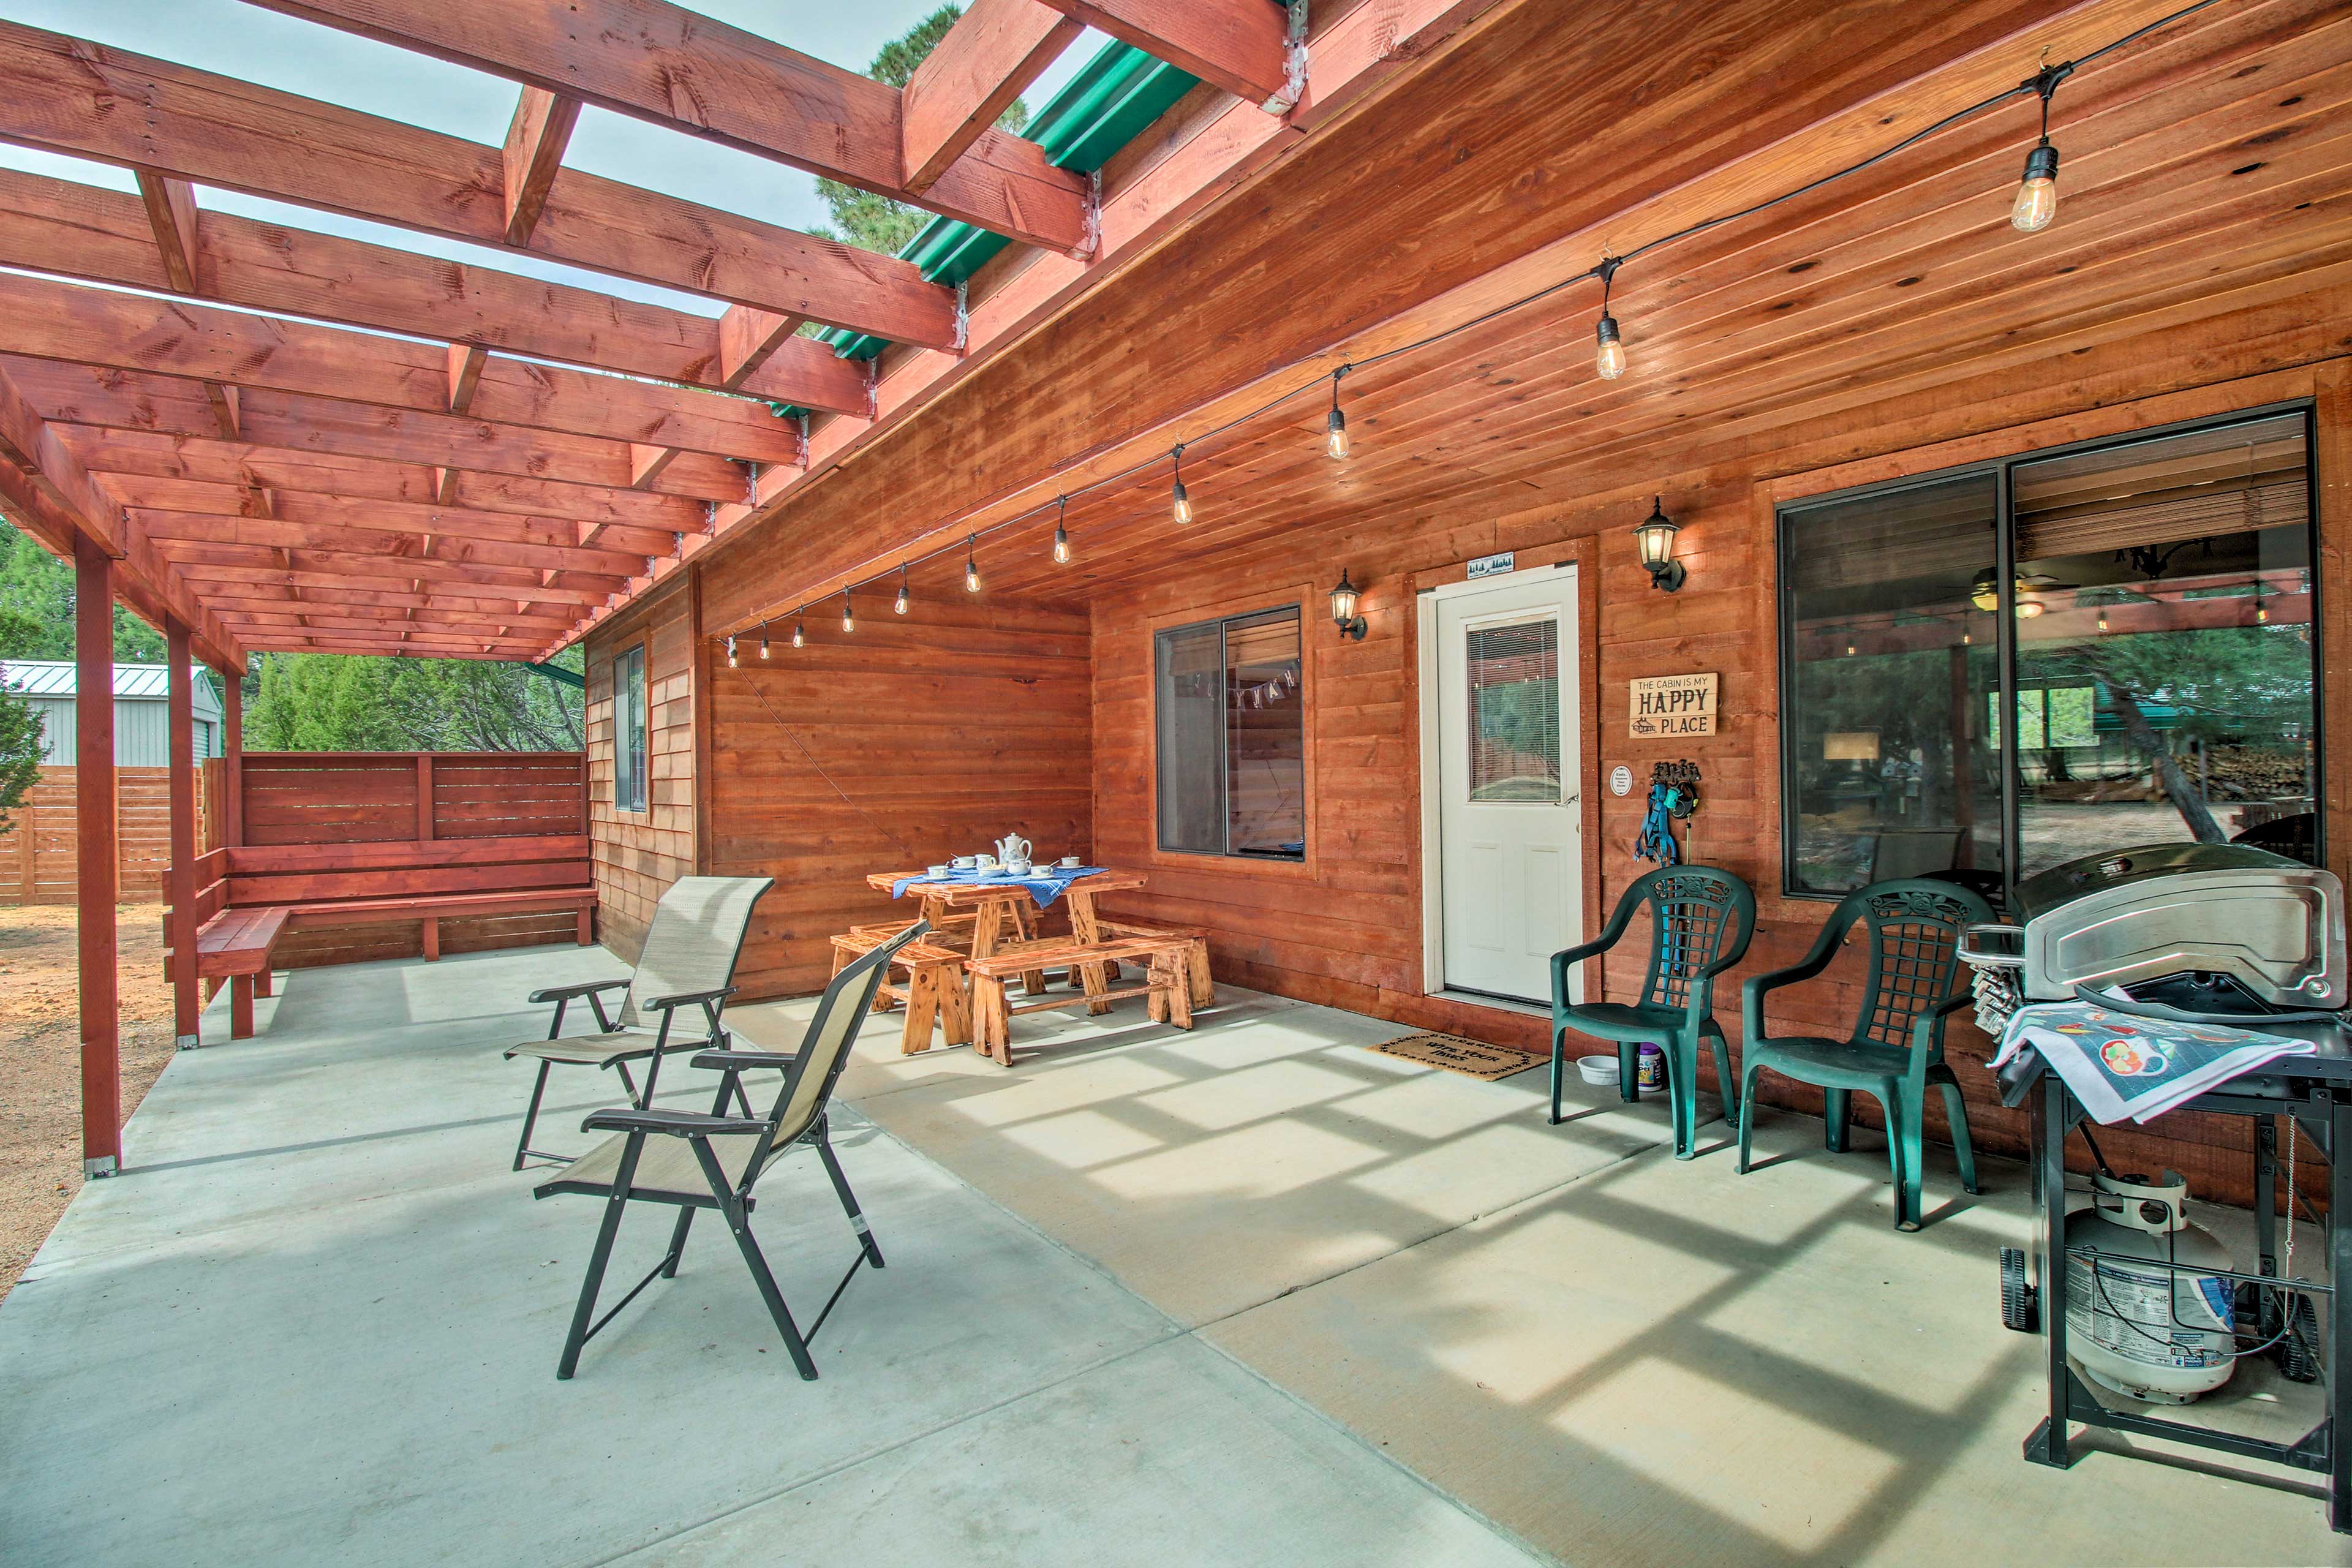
244, 41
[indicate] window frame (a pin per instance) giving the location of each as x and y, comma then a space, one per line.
1999, 469
625, 706
1303, 598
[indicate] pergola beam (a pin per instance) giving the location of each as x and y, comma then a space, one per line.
68, 95
85, 231
145, 468
684, 71
294, 423
97, 866
534, 152
1242, 46
77, 324
993, 52
165, 528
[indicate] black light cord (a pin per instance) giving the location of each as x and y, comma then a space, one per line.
2044, 82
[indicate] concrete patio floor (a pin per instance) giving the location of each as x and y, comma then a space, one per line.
1250, 1295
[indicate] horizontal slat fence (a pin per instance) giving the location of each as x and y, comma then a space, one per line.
312, 819
38, 854
361, 797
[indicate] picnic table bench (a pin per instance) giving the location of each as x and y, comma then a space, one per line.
1167, 982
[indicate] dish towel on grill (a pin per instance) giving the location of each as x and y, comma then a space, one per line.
2123, 1067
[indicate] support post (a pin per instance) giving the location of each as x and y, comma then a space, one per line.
95, 869
231, 758
180, 690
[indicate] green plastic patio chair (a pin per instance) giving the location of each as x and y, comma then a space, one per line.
1701, 919
1896, 1052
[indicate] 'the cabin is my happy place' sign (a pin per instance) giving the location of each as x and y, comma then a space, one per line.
1673, 705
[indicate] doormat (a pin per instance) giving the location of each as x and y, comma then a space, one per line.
1472, 1058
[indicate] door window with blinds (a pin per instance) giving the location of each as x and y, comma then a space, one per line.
2141, 611
1230, 737
1514, 671
629, 729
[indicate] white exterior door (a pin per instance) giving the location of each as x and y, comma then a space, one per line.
1499, 701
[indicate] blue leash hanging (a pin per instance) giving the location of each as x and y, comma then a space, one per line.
1673, 792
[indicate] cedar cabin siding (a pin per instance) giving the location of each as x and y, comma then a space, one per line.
886, 749
1349, 934
638, 854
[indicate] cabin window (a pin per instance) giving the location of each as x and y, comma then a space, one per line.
1229, 699
2144, 608
629, 729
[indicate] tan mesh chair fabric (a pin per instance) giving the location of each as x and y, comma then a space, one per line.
697, 934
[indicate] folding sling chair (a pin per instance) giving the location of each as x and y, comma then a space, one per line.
688, 961
692, 1160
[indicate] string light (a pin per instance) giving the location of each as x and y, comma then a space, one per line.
971, 564
799, 628
1610, 361
849, 619
730, 652
2037, 193
1061, 531
763, 639
900, 603
2103, 620
2033, 209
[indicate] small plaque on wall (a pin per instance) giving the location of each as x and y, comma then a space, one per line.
1673, 705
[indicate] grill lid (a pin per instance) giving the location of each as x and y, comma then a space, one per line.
2038, 895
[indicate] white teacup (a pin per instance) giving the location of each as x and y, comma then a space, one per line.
939, 870
1016, 868
1071, 862
964, 863
985, 862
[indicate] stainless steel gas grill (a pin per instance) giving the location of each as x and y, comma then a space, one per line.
2217, 928
2213, 934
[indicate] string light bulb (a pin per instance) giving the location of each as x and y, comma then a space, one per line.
1062, 553
799, 628
1335, 441
1611, 359
849, 617
2103, 620
730, 652
971, 564
899, 604
2037, 192
1183, 509
2262, 605
763, 639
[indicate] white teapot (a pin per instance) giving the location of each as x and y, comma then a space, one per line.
1013, 849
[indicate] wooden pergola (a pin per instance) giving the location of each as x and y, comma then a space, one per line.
268, 439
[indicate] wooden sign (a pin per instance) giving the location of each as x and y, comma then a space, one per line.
1673, 705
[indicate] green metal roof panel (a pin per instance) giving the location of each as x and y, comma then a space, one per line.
1098, 112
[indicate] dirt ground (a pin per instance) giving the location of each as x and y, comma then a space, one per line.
40, 1060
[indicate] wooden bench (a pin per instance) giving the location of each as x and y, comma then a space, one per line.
1167, 982
257, 893
1196, 954
932, 994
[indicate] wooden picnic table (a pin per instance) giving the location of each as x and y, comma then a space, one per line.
998, 905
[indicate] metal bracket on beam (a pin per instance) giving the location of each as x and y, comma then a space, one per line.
104, 1165
186, 1043
964, 319
1294, 63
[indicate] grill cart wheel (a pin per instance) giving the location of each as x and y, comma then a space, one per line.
2021, 1306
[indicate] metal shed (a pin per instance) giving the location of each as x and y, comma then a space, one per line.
142, 713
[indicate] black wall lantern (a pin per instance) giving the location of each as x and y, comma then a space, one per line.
1656, 538
1343, 609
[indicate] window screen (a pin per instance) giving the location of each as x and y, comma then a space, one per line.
629, 730
1229, 717
1515, 713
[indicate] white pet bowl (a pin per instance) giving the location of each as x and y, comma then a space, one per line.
1597, 1069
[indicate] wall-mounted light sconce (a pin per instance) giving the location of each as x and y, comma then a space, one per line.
1656, 536
1343, 609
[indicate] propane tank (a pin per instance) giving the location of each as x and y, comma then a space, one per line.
2144, 1331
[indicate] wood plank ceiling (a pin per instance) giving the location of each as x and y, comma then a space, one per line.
297, 440
2207, 170
315, 442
